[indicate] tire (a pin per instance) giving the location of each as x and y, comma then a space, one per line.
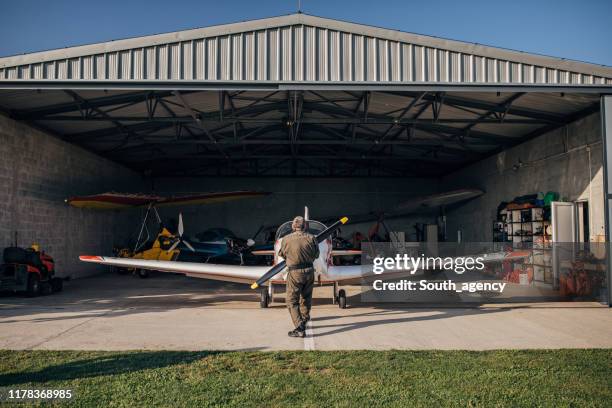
342, 299
57, 284
264, 300
143, 273
46, 288
33, 289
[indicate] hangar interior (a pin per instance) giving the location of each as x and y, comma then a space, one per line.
341, 117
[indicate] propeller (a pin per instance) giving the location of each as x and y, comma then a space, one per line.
179, 237
281, 265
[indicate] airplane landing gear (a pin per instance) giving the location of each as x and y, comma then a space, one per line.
342, 299
339, 296
266, 297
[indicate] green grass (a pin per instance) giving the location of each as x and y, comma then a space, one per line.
559, 378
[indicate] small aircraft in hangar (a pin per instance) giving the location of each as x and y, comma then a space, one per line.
325, 271
212, 245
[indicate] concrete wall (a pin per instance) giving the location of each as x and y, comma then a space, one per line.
324, 197
568, 161
37, 172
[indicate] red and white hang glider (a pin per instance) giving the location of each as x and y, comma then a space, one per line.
417, 204
117, 201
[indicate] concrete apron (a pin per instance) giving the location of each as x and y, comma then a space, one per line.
168, 312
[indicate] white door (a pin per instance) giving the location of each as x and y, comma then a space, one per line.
563, 220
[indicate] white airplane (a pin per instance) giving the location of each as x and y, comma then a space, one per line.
325, 271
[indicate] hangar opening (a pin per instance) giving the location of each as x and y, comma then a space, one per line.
340, 117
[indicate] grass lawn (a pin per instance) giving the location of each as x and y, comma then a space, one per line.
355, 378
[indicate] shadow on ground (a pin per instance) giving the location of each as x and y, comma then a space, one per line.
106, 364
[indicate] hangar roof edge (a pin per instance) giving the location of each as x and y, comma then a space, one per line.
486, 53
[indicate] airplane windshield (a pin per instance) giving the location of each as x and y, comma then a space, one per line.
214, 234
314, 228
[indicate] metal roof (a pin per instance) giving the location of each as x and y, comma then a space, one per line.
298, 48
332, 133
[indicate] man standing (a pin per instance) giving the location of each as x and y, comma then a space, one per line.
299, 249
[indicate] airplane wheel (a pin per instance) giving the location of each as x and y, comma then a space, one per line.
264, 300
143, 273
342, 299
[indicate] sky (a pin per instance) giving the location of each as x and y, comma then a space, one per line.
579, 30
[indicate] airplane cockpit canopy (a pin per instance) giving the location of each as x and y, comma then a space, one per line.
214, 234
314, 228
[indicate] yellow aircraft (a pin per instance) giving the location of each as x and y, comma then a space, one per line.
164, 245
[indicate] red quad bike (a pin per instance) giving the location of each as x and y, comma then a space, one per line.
28, 271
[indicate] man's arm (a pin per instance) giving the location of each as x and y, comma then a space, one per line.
282, 250
315, 249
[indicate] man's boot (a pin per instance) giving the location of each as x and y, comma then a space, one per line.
299, 331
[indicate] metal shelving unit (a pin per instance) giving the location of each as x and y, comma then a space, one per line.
530, 228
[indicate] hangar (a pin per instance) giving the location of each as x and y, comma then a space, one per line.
339, 116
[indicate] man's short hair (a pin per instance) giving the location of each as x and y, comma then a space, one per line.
298, 224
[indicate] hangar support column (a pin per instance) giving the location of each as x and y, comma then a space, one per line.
606, 131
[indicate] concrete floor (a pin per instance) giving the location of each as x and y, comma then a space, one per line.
173, 312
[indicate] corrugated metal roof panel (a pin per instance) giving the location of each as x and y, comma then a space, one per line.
300, 48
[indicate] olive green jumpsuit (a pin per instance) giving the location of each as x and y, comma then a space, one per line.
299, 249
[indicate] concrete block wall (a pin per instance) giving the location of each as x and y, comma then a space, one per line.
324, 197
39, 171
567, 160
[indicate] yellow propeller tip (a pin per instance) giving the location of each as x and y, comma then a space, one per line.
254, 285
344, 220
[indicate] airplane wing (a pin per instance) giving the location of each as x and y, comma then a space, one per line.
116, 201
334, 252
247, 274
354, 272
344, 272
228, 273
345, 252
262, 252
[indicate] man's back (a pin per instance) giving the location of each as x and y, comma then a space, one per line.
299, 249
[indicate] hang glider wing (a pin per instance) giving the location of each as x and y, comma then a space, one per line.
415, 205
228, 273
115, 201
434, 201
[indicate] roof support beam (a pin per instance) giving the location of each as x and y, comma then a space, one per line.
487, 106
199, 122
83, 104
38, 113
329, 121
